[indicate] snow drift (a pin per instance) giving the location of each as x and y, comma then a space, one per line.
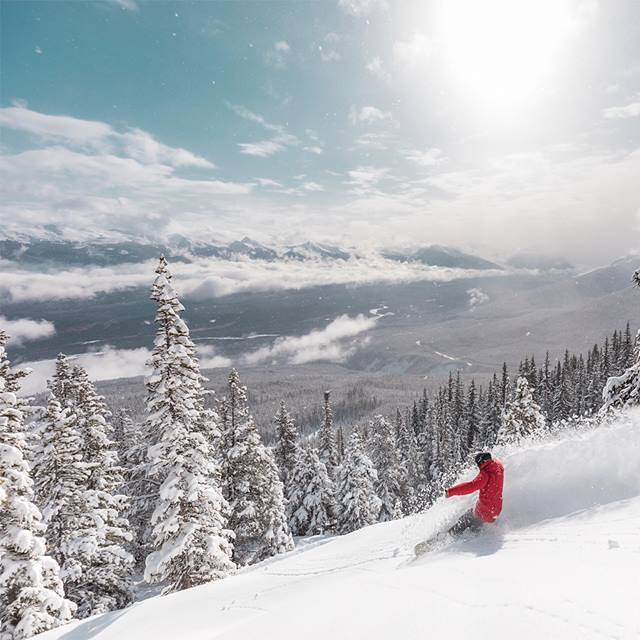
561, 563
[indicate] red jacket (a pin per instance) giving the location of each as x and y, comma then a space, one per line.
489, 482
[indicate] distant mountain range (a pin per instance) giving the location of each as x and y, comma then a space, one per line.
49, 252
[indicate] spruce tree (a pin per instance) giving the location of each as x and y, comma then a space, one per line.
358, 504
310, 502
409, 465
132, 457
61, 383
384, 455
327, 444
505, 386
491, 420
340, 444
623, 391
522, 417
97, 565
251, 483
286, 443
32, 598
472, 419
561, 401
61, 477
545, 393
626, 355
189, 541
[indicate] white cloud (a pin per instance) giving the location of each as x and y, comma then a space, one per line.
143, 147
334, 343
67, 167
268, 182
67, 128
374, 139
211, 277
426, 158
133, 143
24, 329
366, 177
312, 186
313, 149
129, 5
368, 115
107, 364
264, 148
87, 178
90, 179
210, 359
376, 68
329, 55
362, 7
476, 297
278, 54
410, 51
38, 50
618, 113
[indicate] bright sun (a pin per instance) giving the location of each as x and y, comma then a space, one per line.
501, 50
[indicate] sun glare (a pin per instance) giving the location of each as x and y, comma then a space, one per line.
501, 50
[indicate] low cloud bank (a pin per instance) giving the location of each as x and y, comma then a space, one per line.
106, 364
212, 277
24, 329
476, 297
334, 343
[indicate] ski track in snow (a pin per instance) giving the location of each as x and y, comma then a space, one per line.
561, 563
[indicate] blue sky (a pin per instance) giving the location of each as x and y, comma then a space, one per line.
372, 122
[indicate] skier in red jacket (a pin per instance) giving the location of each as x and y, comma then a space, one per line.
489, 483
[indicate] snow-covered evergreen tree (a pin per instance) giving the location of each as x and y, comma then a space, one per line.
126, 436
522, 417
61, 385
623, 391
311, 501
32, 598
384, 455
132, 457
340, 444
472, 419
491, 420
251, 482
358, 503
189, 540
97, 566
408, 459
286, 444
61, 477
327, 444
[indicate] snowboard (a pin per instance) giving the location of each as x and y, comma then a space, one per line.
438, 542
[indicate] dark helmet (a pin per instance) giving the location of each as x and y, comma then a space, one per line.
481, 458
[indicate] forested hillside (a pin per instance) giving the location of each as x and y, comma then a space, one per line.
95, 502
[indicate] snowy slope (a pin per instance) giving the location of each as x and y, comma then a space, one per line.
563, 563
